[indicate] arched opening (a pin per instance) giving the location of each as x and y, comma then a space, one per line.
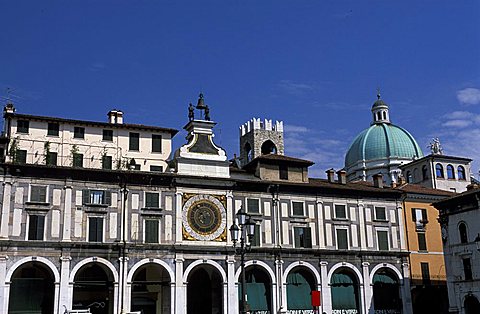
409, 177
248, 152
379, 115
462, 229
151, 290
268, 148
471, 305
345, 291
461, 173
384, 115
439, 170
258, 289
386, 292
32, 289
450, 172
424, 173
204, 291
300, 284
415, 176
93, 289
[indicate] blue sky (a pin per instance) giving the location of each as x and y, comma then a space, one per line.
315, 65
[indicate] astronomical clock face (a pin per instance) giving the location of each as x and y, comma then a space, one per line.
204, 218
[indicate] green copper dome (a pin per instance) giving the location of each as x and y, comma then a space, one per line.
382, 141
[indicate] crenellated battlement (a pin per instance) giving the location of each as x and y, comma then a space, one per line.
258, 124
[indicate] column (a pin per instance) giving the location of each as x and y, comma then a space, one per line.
406, 293
401, 222
232, 299
280, 297
321, 222
361, 218
7, 193
122, 285
4, 288
230, 213
326, 292
178, 217
367, 289
65, 299
67, 214
180, 296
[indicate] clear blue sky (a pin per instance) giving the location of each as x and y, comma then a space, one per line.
313, 64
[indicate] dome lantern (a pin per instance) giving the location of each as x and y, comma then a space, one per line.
380, 111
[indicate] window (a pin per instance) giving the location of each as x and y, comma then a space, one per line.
253, 206
461, 173
22, 126
424, 173
95, 229
36, 227
462, 228
439, 170
297, 209
419, 216
156, 143
409, 177
156, 168
20, 156
382, 238
450, 172
380, 213
151, 231
78, 132
152, 200
340, 212
38, 194
422, 242
467, 269
96, 197
283, 175
342, 239
51, 159
415, 177
425, 273
134, 143
256, 236
107, 162
77, 160
303, 237
107, 135
53, 129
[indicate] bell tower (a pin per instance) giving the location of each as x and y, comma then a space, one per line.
259, 137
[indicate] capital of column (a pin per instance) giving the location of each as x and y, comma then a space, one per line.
3, 258
323, 263
365, 264
405, 265
319, 202
229, 194
178, 193
279, 261
179, 260
125, 259
65, 259
68, 187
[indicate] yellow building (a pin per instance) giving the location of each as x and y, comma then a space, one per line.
424, 241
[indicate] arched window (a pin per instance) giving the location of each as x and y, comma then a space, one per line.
415, 175
439, 170
248, 152
424, 173
379, 115
462, 228
461, 173
409, 177
269, 148
450, 172
384, 115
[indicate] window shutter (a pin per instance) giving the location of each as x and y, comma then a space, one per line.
99, 229
32, 227
296, 234
40, 227
307, 237
107, 200
424, 214
92, 229
43, 194
86, 197
151, 231
414, 217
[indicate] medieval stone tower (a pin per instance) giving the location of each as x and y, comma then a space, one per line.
259, 137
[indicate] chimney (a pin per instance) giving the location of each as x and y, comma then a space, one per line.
472, 186
9, 108
342, 176
378, 180
119, 117
330, 175
112, 116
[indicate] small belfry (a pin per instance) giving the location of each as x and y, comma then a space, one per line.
380, 110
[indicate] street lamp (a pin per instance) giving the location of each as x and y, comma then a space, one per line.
243, 233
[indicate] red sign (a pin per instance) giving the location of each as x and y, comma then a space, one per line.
316, 298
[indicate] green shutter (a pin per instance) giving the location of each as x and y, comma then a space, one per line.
342, 241
92, 227
32, 227
40, 227
86, 197
382, 238
151, 231
414, 216
298, 292
99, 229
107, 200
307, 238
424, 214
42, 194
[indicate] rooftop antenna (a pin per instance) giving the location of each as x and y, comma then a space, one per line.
378, 93
9, 95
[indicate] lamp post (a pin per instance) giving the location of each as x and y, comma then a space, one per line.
131, 166
243, 232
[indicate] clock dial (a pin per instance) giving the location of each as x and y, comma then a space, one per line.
204, 218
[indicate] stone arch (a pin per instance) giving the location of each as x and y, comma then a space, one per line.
42, 260
301, 264
385, 265
148, 261
202, 262
255, 263
93, 260
268, 147
345, 265
248, 152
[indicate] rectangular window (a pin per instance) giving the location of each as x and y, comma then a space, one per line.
95, 229
422, 242
380, 213
107, 162
382, 238
156, 143
107, 135
342, 239
303, 237
467, 269
340, 212
283, 172
51, 159
38, 194
77, 160
253, 206
152, 200
256, 236
36, 227
156, 168
134, 143
96, 197
419, 216
78, 132
53, 129
425, 273
151, 231
297, 209
20, 156
23, 126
